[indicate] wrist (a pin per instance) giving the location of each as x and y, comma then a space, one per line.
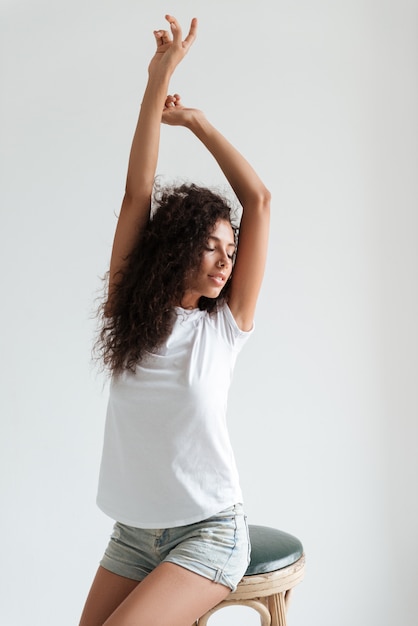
160, 70
197, 122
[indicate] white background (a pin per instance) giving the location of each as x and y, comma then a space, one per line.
322, 97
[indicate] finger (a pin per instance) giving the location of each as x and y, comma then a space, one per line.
177, 100
192, 33
175, 29
170, 101
162, 37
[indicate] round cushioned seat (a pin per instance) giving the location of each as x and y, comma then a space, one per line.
277, 565
271, 549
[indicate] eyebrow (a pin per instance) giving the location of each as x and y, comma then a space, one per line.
230, 245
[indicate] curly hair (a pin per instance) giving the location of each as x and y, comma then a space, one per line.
155, 275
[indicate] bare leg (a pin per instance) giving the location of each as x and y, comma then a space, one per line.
107, 592
170, 596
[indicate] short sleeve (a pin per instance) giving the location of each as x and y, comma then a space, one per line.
229, 330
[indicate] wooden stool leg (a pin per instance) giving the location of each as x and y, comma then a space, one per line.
287, 598
277, 608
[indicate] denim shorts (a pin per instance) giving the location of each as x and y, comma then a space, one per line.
217, 548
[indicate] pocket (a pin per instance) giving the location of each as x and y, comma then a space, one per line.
220, 532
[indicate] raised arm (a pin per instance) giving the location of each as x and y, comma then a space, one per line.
254, 197
135, 210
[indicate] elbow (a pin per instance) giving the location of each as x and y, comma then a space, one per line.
266, 198
263, 201
258, 203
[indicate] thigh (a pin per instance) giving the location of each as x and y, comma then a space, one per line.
170, 596
107, 592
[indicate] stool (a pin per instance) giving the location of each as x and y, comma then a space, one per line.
277, 565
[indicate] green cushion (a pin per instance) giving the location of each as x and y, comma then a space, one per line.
271, 549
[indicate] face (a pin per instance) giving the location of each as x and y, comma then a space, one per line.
215, 267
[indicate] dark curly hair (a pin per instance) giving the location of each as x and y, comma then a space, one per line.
155, 276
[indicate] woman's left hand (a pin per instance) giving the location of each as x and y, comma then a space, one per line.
171, 48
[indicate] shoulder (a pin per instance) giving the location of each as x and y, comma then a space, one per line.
223, 321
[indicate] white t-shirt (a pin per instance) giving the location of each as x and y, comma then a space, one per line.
167, 458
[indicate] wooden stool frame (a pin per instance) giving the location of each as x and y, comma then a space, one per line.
268, 594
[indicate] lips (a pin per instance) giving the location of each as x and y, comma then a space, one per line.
219, 279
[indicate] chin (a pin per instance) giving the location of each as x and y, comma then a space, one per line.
213, 293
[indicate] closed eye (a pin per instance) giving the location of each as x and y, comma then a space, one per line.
230, 256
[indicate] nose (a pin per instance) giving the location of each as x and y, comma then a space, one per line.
223, 260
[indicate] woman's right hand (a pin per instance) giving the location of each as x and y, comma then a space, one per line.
175, 114
171, 49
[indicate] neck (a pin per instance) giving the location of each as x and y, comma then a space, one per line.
189, 301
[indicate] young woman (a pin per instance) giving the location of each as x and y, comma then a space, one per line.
180, 305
